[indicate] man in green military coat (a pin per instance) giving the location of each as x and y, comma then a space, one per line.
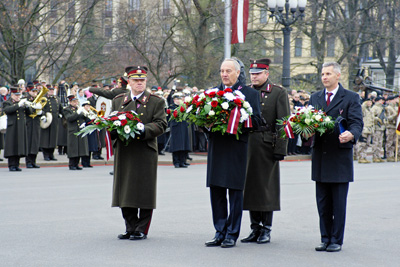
135, 164
77, 145
266, 149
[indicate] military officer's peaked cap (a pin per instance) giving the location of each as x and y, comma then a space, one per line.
15, 90
72, 98
258, 65
123, 80
29, 86
136, 72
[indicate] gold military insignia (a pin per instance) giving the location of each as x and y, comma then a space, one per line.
266, 97
144, 98
255, 66
255, 60
144, 106
125, 74
139, 71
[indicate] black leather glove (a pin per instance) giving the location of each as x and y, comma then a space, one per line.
278, 157
114, 134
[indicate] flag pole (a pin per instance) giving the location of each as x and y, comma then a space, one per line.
227, 34
397, 147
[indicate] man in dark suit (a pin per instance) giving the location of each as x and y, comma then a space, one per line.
226, 164
332, 157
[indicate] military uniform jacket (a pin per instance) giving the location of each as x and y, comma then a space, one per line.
135, 164
227, 156
48, 136
16, 141
332, 162
377, 110
109, 94
33, 127
77, 145
262, 189
368, 119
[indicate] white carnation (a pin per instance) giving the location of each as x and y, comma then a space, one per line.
225, 105
188, 99
117, 123
327, 119
246, 104
317, 117
127, 129
229, 96
140, 126
239, 94
307, 121
122, 117
211, 113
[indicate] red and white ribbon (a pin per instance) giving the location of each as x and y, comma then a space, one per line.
288, 130
248, 123
109, 148
233, 123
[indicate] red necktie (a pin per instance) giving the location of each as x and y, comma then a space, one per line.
328, 101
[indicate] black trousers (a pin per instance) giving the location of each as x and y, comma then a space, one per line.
31, 159
226, 225
48, 153
331, 204
137, 220
86, 160
179, 157
261, 219
13, 161
73, 162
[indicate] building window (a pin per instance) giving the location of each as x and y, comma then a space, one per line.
109, 7
134, 5
166, 7
263, 15
108, 32
313, 50
330, 47
298, 47
278, 50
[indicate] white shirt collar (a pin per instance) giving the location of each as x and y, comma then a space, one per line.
137, 96
333, 93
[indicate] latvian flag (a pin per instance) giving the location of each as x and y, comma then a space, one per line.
240, 17
288, 130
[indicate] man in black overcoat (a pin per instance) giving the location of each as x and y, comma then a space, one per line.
332, 156
226, 164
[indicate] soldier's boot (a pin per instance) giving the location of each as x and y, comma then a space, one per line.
377, 160
363, 160
382, 160
390, 159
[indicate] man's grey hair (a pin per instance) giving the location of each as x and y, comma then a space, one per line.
237, 65
335, 65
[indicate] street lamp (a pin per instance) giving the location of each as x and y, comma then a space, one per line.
294, 9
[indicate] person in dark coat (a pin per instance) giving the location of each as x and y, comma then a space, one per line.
77, 145
332, 155
226, 164
135, 164
93, 138
33, 127
179, 143
16, 145
266, 149
50, 125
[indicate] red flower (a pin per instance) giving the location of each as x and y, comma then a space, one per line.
199, 104
220, 93
97, 123
214, 104
124, 122
316, 125
321, 120
196, 97
211, 94
168, 111
175, 113
228, 90
129, 116
238, 102
182, 109
114, 118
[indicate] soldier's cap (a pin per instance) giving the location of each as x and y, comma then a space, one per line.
15, 90
49, 86
29, 86
123, 80
85, 103
154, 88
35, 82
72, 98
31, 89
177, 95
259, 65
75, 83
136, 72
378, 98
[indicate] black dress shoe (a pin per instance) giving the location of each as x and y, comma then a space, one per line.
321, 247
187, 164
47, 159
14, 169
182, 165
161, 153
111, 173
1, 159
228, 243
189, 158
53, 159
334, 248
87, 166
29, 166
35, 166
138, 236
253, 236
78, 168
214, 242
72, 168
125, 235
265, 236
18, 169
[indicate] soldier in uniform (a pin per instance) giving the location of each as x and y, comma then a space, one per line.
266, 149
50, 120
33, 127
135, 164
77, 145
16, 145
391, 136
367, 132
110, 94
380, 125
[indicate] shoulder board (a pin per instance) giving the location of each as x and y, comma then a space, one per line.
120, 95
277, 85
155, 95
